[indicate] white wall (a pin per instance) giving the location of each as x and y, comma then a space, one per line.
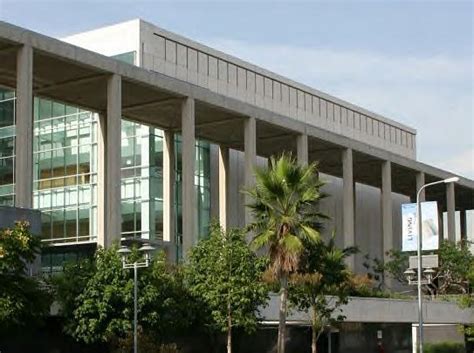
111, 40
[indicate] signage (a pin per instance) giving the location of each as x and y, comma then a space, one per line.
430, 228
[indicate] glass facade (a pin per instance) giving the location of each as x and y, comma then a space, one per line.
7, 147
142, 181
65, 176
65, 171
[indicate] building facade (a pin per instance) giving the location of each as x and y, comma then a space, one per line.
161, 135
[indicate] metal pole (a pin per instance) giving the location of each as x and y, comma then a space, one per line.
420, 236
420, 297
135, 343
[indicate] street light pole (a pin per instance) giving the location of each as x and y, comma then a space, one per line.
419, 250
124, 252
135, 307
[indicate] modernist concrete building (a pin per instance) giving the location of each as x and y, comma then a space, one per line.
130, 131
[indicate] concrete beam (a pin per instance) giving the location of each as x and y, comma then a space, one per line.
69, 83
153, 103
217, 122
224, 187
302, 149
451, 210
188, 143
169, 231
24, 128
109, 162
348, 203
250, 151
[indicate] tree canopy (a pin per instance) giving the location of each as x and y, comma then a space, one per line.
225, 274
285, 217
23, 299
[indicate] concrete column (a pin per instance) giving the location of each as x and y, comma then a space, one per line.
348, 203
24, 128
451, 208
188, 164
250, 150
169, 232
109, 162
463, 224
387, 232
302, 149
420, 181
224, 187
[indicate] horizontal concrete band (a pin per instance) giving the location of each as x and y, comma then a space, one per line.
382, 310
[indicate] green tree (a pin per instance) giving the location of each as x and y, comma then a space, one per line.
225, 274
96, 298
285, 217
454, 274
23, 299
321, 285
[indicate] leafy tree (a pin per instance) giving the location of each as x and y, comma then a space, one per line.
321, 285
226, 275
284, 207
23, 299
97, 299
454, 274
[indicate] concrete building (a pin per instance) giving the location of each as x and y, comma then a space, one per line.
130, 131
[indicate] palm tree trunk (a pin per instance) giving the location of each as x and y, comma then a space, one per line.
282, 323
229, 329
314, 341
316, 331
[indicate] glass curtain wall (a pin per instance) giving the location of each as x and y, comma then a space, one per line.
142, 181
65, 171
7, 147
203, 190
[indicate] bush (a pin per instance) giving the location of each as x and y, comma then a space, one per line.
444, 347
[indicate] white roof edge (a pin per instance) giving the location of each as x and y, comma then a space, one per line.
72, 35
245, 64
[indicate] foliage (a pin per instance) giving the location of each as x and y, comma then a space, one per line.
23, 299
375, 271
146, 344
97, 298
445, 347
322, 284
225, 274
285, 218
454, 274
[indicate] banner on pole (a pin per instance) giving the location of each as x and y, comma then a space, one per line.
430, 228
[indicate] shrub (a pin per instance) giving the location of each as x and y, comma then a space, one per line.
444, 347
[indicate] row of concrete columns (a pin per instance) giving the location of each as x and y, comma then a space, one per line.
109, 174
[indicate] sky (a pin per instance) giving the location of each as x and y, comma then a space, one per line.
412, 61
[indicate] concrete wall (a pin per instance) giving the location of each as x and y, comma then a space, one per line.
9, 215
111, 40
184, 59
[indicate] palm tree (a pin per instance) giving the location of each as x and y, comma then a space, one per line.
285, 217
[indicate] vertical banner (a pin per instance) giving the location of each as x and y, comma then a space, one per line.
430, 228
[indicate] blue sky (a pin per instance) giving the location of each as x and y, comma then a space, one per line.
409, 60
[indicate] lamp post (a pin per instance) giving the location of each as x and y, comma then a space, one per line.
419, 281
147, 249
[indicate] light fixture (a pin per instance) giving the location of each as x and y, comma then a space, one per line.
409, 274
429, 273
451, 180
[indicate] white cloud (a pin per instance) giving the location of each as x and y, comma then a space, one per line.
462, 163
433, 94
